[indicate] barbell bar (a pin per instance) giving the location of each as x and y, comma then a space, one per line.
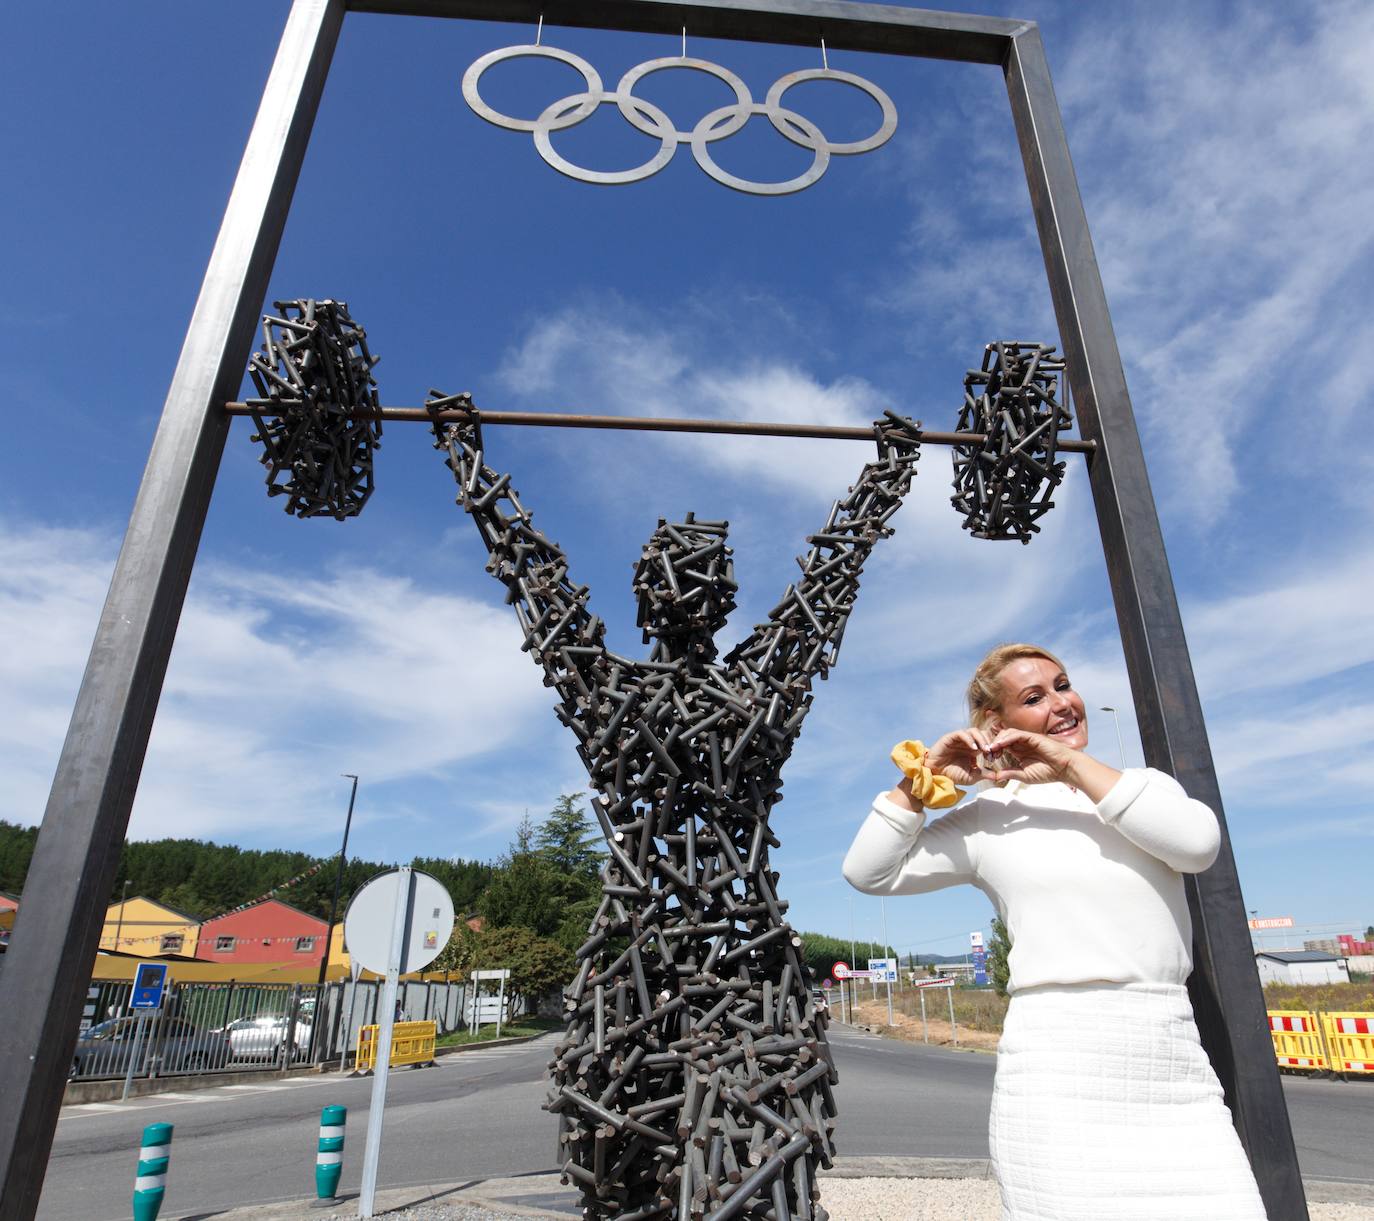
749, 428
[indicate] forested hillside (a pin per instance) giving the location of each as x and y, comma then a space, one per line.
203, 879
536, 899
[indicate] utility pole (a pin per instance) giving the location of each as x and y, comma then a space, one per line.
317, 1024
338, 881
882, 904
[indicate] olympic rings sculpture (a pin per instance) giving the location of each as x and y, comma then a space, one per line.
644, 116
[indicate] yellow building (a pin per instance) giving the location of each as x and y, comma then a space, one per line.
339, 961
147, 929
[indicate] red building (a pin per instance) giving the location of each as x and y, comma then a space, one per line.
270, 931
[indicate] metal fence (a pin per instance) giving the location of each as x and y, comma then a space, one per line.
243, 1027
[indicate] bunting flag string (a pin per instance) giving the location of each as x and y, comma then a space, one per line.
262, 898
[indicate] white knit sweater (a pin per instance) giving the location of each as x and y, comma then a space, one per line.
1089, 892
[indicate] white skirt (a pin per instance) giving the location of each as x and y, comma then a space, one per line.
1105, 1105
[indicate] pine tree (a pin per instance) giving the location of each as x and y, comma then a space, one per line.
568, 840
525, 890
998, 950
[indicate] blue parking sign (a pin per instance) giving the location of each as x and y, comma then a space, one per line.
149, 982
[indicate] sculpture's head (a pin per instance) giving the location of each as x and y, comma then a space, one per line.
685, 583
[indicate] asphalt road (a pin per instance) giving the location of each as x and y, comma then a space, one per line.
477, 1115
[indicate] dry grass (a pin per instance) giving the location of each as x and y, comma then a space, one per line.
1321, 998
907, 1024
979, 1012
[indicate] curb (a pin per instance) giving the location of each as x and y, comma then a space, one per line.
540, 1194
78, 1092
454, 1049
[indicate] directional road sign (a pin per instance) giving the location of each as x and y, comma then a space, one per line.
150, 980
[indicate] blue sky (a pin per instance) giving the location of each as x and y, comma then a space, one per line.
1223, 154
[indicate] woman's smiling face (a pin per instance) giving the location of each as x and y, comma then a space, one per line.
1037, 696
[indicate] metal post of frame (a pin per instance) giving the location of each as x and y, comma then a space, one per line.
1225, 985
68, 885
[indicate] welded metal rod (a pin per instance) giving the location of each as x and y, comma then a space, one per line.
643, 423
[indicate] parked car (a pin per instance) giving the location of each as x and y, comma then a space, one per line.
167, 1045
261, 1037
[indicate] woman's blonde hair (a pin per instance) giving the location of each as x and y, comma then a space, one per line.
985, 692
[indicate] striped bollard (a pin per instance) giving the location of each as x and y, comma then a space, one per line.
329, 1160
150, 1185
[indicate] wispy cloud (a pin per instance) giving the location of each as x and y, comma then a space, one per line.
1229, 213
275, 686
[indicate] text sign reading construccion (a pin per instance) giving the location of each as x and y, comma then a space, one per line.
1272, 922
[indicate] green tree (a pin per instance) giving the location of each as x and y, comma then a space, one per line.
525, 891
568, 840
184, 898
998, 950
537, 965
16, 849
460, 953
1369, 933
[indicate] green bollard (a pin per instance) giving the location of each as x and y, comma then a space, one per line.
329, 1160
150, 1185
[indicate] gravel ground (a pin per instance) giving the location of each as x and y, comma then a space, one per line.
855, 1200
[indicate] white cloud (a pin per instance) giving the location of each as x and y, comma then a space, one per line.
275, 687
1223, 170
1288, 626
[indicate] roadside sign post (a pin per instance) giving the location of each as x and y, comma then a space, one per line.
500, 975
355, 970
150, 982
886, 970
980, 959
947, 982
393, 925
841, 972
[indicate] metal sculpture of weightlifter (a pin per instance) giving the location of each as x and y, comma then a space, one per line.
694, 1078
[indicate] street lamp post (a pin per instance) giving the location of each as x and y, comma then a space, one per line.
853, 958
1120, 745
882, 903
333, 909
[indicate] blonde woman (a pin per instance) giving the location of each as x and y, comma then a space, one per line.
1105, 1104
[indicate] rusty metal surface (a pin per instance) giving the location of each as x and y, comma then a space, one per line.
694, 1078
1002, 484
314, 373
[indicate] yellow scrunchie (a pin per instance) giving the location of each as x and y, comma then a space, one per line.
934, 792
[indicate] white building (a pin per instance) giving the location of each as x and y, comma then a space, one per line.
1300, 967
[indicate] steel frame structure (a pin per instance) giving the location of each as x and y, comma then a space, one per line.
56, 933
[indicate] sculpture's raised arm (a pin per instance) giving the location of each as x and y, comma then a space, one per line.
565, 638
802, 635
